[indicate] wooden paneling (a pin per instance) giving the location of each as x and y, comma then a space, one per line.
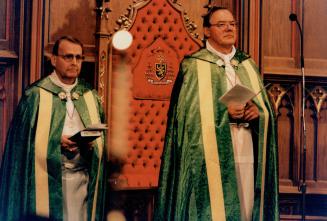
280, 48
7, 99
280, 64
283, 95
7, 24
315, 32
10, 83
3, 16
315, 29
281, 41
75, 18
315, 116
277, 38
277, 28
37, 41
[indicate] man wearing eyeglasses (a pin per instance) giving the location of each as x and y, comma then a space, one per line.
219, 161
44, 173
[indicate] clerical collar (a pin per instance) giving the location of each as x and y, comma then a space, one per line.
225, 57
56, 80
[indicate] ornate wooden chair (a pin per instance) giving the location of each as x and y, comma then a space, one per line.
141, 81
137, 95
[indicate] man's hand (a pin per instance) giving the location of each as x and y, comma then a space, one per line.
235, 110
68, 145
251, 111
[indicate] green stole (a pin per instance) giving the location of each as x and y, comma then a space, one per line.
41, 151
210, 139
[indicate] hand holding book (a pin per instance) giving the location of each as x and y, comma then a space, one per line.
239, 103
89, 134
239, 94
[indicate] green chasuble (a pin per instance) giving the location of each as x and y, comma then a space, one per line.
31, 182
197, 177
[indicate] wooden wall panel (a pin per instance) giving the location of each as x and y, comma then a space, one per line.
277, 38
3, 16
315, 29
277, 28
7, 100
281, 41
310, 118
7, 28
315, 37
316, 141
285, 112
75, 18
280, 63
10, 77
321, 146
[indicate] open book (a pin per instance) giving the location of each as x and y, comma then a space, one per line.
238, 94
89, 133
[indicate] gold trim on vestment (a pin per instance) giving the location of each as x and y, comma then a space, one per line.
95, 118
41, 153
256, 86
210, 142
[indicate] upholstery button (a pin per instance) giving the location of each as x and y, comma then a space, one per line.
154, 21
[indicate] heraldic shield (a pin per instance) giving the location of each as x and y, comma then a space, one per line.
161, 70
155, 73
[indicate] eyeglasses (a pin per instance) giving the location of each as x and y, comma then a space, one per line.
70, 57
225, 24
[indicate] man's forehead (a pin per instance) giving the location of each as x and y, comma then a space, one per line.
67, 45
222, 15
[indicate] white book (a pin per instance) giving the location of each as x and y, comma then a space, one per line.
238, 94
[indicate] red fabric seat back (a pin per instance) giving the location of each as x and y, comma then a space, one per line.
142, 80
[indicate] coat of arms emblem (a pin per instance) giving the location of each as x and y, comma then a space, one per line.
161, 70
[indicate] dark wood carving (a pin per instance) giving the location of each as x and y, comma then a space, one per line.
286, 99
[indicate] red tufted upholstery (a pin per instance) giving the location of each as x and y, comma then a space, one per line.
138, 125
